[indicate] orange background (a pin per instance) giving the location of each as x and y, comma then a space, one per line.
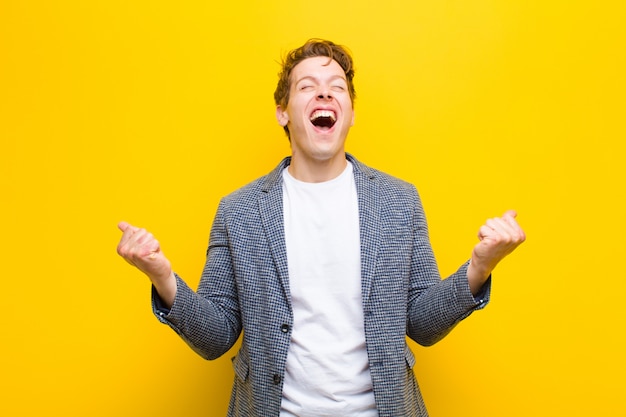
150, 111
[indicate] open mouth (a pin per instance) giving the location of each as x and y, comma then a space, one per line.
323, 119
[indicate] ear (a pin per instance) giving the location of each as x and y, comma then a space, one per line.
353, 116
281, 116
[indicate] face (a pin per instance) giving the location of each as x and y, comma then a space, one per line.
319, 113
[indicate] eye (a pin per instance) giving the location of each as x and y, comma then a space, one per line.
338, 88
306, 87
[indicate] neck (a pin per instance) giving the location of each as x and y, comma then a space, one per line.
308, 170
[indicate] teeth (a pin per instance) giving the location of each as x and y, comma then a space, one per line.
324, 113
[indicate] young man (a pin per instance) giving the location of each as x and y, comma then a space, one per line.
326, 266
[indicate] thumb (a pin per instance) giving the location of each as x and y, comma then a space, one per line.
511, 213
124, 226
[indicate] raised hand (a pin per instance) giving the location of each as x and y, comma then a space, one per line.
498, 237
140, 249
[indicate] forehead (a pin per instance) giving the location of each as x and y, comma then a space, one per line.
317, 67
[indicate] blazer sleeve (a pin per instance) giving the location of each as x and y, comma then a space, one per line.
208, 320
436, 306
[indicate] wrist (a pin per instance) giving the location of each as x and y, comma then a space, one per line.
477, 275
166, 288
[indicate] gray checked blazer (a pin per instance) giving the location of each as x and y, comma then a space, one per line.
245, 287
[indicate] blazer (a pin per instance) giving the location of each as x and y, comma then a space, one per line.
245, 287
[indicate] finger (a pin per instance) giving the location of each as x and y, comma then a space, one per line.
510, 220
151, 247
485, 232
128, 232
143, 244
510, 213
142, 237
503, 233
154, 252
138, 249
506, 232
123, 226
499, 226
516, 231
136, 243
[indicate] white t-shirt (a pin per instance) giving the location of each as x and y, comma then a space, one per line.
327, 371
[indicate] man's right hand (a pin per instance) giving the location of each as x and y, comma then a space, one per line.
140, 249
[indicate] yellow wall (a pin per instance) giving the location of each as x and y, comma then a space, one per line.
149, 111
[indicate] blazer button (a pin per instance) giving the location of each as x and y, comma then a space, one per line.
284, 328
276, 379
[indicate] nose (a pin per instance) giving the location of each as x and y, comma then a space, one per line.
324, 93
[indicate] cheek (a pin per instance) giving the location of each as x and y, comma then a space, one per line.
298, 110
350, 116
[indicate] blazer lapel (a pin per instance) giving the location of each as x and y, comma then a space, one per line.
271, 210
369, 220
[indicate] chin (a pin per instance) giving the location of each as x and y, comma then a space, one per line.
326, 154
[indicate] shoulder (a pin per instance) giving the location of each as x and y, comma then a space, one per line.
397, 200
386, 184
246, 192
267, 184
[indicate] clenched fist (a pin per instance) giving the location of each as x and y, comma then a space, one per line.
498, 237
140, 249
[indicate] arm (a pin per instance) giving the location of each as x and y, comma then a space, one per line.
435, 306
208, 321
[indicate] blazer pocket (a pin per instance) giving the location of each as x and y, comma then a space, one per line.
241, 365
409, 357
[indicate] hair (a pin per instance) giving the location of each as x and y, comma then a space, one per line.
312, 48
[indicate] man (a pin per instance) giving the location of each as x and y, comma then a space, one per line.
326, 266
